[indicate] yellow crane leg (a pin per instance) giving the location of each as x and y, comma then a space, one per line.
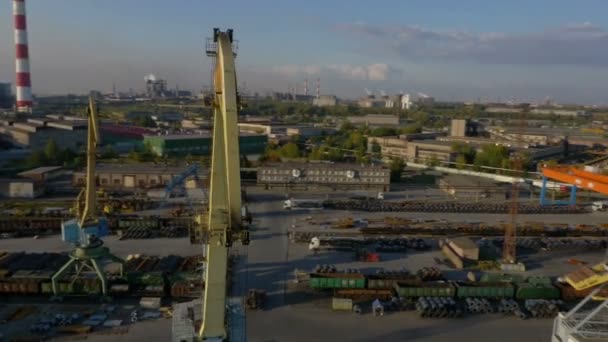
224, 191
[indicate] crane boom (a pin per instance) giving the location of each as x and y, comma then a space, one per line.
224, 215
90, 202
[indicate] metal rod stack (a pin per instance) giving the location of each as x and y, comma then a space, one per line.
438, 307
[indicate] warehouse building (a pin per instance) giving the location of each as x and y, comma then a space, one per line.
332, 175
376, 120
476, 188
20, 188
137, 176
43, 173
200, 144
35, 133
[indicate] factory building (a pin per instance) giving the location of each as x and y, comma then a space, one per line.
400, 147
35, 133
155, 88
6, 96
464, 128
472, 188
376, 120
309, 131
137, 176
325, 101
331, 175
389, 146
425, 151
200, 144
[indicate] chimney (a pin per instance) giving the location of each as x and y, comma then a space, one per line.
23, 82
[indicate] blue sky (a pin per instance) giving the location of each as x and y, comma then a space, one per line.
523, 50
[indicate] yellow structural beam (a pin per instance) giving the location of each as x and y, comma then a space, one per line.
224, 191
90, 196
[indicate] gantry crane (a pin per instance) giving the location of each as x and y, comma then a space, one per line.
87, 228
224, 222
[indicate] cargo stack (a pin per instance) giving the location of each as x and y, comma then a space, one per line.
461, 251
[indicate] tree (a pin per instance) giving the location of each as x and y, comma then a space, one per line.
51, 150
461, 162
376, 147
411, 129
36, 159
433, 161
383, 132
109, 153
396, 168
290, 150
492, 156
144, 121
465, 150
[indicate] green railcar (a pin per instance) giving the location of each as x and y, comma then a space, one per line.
484, 290
424, 289
537, 291
337, 281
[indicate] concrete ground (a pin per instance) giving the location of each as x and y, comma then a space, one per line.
272, 260
293, 314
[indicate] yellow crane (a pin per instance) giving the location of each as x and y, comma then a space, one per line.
224, 223
86, 229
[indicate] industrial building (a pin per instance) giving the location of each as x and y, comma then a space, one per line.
35, 133
6, 96
309, 131
132, 176
43, 173
376, 120
200, 144
155, 88
475, 188
325, 101
415, 145
332, 175
20, 188
425, 151
464, 128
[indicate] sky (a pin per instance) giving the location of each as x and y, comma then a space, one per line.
453, 50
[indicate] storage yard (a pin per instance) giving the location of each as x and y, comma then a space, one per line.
423, 294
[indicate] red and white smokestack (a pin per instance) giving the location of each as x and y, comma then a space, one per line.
23, 83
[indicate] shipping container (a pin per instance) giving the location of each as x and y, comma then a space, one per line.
424, 289
536, 291
342, 304
484, 290
337, 281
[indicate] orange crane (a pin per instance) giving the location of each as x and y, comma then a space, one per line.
576, 178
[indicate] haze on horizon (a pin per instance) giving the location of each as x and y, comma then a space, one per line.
464, 50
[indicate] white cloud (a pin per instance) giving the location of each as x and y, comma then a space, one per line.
372, 72
582, 44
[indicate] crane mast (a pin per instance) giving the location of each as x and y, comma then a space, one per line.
224, 224
86, 229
